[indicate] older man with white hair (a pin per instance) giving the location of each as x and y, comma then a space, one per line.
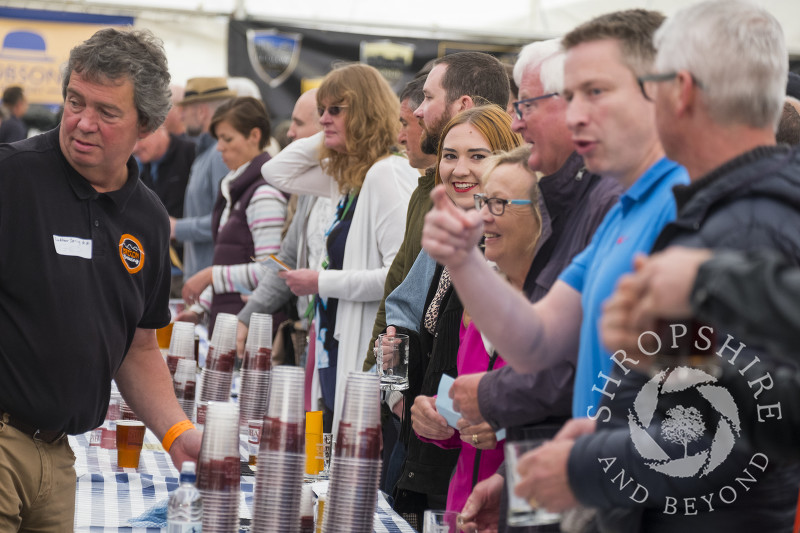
575, 202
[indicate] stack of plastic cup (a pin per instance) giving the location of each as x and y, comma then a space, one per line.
281, 457
256, 365
108, 436
218, 468
126, 413
356, 464
181, 345
307, 509
185, 382
218, 374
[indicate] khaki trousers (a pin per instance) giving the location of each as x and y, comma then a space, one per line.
37, 483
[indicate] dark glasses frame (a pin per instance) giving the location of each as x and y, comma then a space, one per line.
333, 110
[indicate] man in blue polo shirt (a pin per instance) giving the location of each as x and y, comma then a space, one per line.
613, 128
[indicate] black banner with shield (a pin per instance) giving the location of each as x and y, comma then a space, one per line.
285, 60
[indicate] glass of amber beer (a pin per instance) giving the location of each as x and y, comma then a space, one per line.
130, 438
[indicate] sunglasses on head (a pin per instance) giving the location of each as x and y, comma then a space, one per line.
333, 110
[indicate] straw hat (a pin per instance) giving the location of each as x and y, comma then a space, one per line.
205, 90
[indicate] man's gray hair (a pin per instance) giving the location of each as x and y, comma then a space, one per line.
737, 51
111, 55
549, 55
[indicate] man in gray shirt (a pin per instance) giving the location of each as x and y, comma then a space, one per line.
200, 100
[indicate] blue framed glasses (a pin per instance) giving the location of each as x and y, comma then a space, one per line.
497, 206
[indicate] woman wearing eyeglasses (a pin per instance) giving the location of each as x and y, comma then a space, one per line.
352, 161
435, 312
509, 206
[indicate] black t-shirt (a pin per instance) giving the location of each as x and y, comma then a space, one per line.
79, 272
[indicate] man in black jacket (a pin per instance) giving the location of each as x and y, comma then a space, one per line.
165, 161
12, 128
718, 87
753, 295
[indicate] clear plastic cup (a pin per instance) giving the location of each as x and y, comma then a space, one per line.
254, 387
185, 384
221, 433
224, 336
215, 385
130, 439
286, 402
259, 334
362, 400
181, 344
520, 511
435, 521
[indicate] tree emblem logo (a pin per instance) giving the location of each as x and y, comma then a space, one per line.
683, 425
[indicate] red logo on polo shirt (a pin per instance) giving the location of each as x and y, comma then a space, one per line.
131, 253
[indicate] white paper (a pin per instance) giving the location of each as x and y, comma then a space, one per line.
444, 405
73, 246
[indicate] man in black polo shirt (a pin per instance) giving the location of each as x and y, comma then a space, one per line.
84, 277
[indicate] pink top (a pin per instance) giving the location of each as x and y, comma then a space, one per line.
472, 358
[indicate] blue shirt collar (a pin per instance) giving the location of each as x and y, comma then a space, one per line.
646, 183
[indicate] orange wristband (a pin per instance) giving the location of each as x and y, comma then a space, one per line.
174, 432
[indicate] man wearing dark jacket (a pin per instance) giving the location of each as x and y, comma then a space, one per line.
753, 295
717, 117
165, 161
12, 128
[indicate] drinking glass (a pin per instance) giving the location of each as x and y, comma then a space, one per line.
520, 512
391, 354
434, 521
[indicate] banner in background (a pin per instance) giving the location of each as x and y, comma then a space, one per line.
285, 60
36, 45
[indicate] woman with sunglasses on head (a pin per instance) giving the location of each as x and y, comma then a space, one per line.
467, 141
352, 161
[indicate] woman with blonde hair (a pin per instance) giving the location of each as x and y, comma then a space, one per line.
352, 161
434, 311
510, 208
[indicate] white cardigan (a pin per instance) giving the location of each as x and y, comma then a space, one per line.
375, 235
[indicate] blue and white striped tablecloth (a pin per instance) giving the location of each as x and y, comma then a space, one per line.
107, 496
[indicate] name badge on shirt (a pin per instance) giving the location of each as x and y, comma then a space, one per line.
73, 246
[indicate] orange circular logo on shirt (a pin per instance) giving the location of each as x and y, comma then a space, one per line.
131, 253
